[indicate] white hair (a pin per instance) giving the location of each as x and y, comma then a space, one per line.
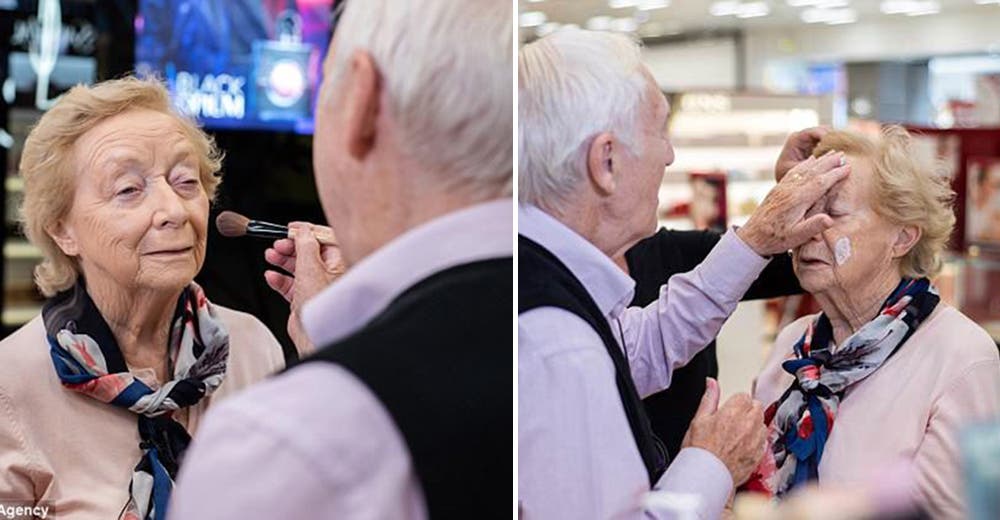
446, 66
574, 85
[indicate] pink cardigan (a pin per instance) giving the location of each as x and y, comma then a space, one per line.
69, 451
945, 376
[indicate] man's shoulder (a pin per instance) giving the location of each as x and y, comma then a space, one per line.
544, 332
311, 410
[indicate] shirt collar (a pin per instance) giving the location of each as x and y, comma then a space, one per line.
607, 284
479, 232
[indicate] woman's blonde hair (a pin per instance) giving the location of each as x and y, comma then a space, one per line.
48, 169
907, 192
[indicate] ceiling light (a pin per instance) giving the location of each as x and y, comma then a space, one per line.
832, 4
825, 4
739, 9
620, 4
910, 7
649, 5
829, 16
987, 2
532, 18
724, 8
753, 10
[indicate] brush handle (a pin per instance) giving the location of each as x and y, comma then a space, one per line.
259, 228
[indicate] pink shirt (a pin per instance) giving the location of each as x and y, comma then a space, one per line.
947, 375
315, 443
70, 451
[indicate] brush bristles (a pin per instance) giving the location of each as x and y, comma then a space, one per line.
231, 224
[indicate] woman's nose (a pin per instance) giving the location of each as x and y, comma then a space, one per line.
168, 207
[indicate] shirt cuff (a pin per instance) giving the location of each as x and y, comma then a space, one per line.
700, 473
732, 266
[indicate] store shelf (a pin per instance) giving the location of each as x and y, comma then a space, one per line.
21, 250
14, 184
17, 315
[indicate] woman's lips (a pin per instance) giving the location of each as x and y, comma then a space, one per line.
171, 252
812, 262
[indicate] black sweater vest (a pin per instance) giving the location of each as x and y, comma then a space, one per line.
439, 359
544, 281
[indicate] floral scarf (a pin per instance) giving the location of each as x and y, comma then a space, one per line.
801, 420
88, 360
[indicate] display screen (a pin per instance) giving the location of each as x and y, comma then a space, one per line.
253, 64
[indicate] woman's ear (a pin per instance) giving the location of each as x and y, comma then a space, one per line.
600, 164
906, 238
64, 237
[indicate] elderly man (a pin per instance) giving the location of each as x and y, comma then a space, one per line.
404, 412
592, 150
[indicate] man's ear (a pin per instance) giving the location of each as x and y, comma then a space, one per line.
906, 238
363, 92
600, 163
64, 237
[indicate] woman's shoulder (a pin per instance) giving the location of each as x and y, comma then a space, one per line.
772, 379
24, 353
789, 335
250, 341
965, 339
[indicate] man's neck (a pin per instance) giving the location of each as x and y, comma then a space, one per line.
385, 224
588, 222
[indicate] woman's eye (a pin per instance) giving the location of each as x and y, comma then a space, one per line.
188, 183
126, 191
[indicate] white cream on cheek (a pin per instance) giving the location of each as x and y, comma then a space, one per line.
842, 250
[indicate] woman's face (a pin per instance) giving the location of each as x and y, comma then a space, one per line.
140, 212
858, 246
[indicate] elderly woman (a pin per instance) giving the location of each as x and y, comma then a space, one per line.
100, 393
886, 371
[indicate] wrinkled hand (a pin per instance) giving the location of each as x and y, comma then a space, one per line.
798, 147
779, 224
313, 266
734, 433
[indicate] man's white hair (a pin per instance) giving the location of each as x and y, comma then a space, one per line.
574, 85
446, 66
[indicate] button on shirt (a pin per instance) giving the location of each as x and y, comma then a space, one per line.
576, 454
315, 443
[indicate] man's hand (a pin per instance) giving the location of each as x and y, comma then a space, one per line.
312, 266
798, 147
734, 433
779, 224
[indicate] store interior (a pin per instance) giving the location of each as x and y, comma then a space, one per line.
741, 75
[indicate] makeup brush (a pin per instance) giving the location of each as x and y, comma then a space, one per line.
232, 224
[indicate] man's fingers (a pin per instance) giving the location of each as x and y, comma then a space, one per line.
307, 249
285, 246
834, 176
710, 400
281, 283
277, 259
814, 134
808, 228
